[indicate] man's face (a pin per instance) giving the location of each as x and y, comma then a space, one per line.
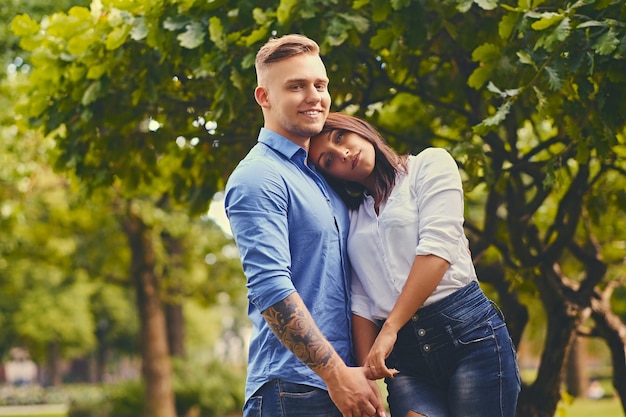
294, 96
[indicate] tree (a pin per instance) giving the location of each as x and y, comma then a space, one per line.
151, 95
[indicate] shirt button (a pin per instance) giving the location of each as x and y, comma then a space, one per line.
415, 317
426, 348
421, 332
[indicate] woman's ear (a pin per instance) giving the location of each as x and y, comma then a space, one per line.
262, 97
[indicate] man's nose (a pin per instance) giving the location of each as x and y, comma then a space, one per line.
313, 94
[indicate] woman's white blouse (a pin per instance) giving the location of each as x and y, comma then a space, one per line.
423, 215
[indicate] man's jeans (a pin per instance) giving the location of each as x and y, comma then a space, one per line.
455, 358
278, 398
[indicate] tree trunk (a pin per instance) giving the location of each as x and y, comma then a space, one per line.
540, 399
175, 329
173, 307
156, 363
576, 377
613, 331
53, 376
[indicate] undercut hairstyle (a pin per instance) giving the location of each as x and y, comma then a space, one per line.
387, 162
277, 49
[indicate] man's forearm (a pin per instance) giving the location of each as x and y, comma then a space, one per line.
292, 323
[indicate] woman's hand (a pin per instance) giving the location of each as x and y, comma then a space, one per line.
381, 349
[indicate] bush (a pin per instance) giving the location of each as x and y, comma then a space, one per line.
212, 390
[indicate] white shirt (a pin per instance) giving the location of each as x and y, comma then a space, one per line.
423, 215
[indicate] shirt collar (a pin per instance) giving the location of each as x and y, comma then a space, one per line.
280, 143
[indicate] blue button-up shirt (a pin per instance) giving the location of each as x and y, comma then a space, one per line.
291, 231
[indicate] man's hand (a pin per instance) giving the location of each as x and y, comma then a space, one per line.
354, 394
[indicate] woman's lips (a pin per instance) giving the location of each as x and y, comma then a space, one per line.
355, 161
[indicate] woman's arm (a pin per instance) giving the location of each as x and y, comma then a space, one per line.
426, 273
364, 333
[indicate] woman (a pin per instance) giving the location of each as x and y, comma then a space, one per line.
420, 319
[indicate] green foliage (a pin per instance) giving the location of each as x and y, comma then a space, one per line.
213, 390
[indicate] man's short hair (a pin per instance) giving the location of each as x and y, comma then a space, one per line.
277, 49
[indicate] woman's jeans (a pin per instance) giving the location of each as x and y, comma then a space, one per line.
278, 398
455, 358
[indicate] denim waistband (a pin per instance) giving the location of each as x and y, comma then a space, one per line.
469, 295
453, 316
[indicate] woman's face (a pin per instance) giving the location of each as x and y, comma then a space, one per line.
343, 155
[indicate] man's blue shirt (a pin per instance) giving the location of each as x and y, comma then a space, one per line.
291, 230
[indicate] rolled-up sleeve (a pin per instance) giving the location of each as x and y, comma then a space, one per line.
440, 205
256, 206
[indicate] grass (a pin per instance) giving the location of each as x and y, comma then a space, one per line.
53, 410
582, 407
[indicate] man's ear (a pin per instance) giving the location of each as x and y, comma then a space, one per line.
261, 96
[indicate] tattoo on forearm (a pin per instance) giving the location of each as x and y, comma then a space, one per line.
293, 325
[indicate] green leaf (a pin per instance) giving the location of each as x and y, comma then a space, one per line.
192, 37
96, 71
360, 3
382, 39
92, 93
487, 4
554, 79
507, 24
24, 25
495, 120
607, 43
256, 36
117, 37
139, 30
176, 23
80, 43
552, 38
380, 10
216, 33
525, 58
360, 23
486, 52
464, 5
284, 10
399, 4
547, 20
591, 23
479, 76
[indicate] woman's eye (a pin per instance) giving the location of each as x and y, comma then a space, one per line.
338, 137
328, 162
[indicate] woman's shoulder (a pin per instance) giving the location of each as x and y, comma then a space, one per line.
430, 157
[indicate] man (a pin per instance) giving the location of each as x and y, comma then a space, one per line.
291, 232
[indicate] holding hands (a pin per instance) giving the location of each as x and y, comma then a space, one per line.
375, 367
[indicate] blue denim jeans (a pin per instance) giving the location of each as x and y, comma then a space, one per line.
279, 398
455, 358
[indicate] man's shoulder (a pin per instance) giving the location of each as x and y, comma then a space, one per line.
260, 161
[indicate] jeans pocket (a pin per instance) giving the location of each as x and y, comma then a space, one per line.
475, 335
306, 401
253, 407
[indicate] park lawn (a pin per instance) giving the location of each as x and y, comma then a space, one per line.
34, 415
583, 407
